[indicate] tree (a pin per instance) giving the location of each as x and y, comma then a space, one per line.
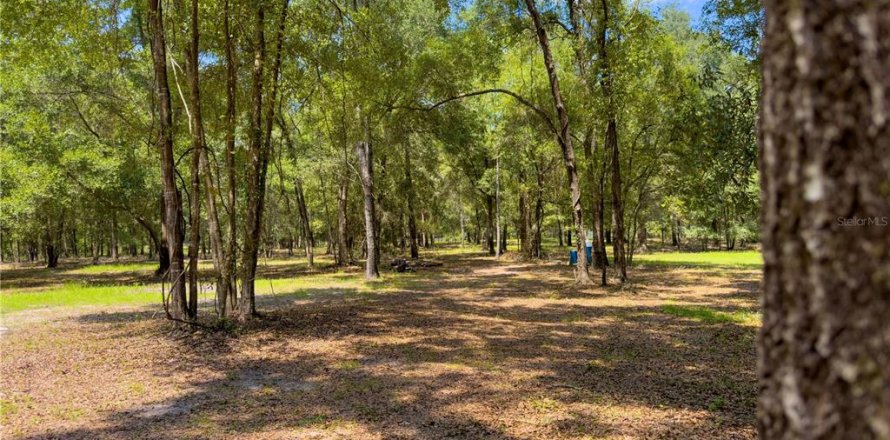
172, 201
825, 156
564, 137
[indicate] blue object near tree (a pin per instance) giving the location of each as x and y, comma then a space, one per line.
573, 256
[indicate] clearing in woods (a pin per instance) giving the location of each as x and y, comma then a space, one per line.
475, 348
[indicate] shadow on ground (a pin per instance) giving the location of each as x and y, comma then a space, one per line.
475, 350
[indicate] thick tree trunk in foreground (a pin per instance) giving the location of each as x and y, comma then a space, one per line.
564, 137
825, 164
366, 173
172, 201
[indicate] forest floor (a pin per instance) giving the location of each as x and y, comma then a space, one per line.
473, 349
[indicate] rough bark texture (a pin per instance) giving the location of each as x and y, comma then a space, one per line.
172, 201
366, 173
564, 137
825, 158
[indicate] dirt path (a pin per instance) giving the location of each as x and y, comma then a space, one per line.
474, 349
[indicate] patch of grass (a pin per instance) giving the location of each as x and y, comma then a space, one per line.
543, 404
712, 316
76, 294
7, 408
114, 268
312, 420
733, 259
716, 404
65, 413
80, 294
573, 317
136, 388
349, 365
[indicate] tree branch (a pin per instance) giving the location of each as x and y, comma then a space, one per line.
515, 96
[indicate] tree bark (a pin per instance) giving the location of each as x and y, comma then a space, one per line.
260, 145
489, 233
824, 347
618, 248
600, 259
366, 173
197, 131
309, 242
343, 253
172, 200
612, 147
409, 190
247, 307
564, 138
228, 257
113, 246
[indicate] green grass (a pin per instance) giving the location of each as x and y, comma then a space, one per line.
732, 259
712, 316
79, 294
114, 268
76, 294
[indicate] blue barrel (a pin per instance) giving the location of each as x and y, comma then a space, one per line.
589, 255
573, 257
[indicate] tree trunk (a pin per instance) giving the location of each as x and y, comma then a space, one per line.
196, 127
309, 242
220, 258
596, 184
539, 218
618, 247
825, 160
113, 246
227, 258
412, 222
343, 253
564, 138
172, 201
489, 233
366, 173
258, 152
247, 307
